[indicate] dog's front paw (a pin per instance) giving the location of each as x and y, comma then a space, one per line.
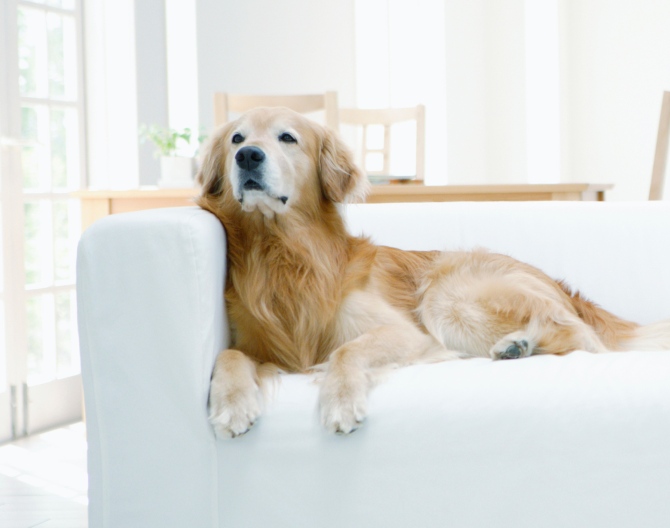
233, 409
343, 406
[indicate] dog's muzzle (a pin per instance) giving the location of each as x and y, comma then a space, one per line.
250, 161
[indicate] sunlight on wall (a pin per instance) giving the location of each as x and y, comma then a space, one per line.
111, 92
3, 352
542, 91
400, 62
182, 65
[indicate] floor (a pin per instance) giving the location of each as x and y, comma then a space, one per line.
43, 480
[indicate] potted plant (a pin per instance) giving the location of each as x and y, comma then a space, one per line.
176, 170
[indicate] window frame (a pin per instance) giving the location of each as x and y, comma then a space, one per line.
13, 197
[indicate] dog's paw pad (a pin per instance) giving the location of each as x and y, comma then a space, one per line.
515, 350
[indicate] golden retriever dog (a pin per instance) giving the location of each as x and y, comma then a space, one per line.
302, 292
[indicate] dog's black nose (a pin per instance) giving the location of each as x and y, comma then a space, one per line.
249, 158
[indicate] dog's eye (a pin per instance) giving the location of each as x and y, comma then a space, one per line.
238, 138
287, 138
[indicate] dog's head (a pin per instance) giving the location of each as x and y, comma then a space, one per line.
274, 160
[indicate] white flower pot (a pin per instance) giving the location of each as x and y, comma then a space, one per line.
176, 172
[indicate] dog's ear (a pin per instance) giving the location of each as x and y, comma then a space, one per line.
213, 161
341, 179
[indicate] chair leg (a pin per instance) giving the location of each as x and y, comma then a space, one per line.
661, 155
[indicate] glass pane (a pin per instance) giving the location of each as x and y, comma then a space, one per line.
2, 259
3, 359
31, 243
64, 4
34, 159
374, 162
32, 52
35, 337
38, 243
67, 350
64, 148
41, 339
30, 167
62, 57
62, 251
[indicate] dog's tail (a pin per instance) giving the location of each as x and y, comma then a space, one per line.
617, 333
655, 336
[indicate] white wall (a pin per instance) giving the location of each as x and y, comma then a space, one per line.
618, 64
485, 91
258, 46
267, 47
151, 72
506, 91
182, 69
400, 62
111, 93
613, 66
126, 85
542, 70
466, 54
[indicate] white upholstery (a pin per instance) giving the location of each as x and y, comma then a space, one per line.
574, 441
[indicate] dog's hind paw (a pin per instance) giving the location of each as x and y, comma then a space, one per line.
512, 346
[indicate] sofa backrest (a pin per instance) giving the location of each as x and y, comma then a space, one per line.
617, 254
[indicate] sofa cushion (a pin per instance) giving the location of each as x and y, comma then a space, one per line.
579, 441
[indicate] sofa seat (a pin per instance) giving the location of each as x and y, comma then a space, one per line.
580, 440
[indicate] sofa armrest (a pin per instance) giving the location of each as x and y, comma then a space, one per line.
151, 322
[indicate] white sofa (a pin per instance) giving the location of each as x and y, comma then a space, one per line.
575, 441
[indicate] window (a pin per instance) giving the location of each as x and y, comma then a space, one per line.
43, 161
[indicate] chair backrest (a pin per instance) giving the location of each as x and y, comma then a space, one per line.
388, 117
661, 155
225, 102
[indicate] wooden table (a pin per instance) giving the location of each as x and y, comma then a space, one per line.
488, 193
97, 204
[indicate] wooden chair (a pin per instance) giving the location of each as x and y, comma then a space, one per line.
388, 117
224, 103
661, 155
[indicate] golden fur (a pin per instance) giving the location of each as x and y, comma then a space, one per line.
301, 291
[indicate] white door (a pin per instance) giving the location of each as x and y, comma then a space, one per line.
41, 161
